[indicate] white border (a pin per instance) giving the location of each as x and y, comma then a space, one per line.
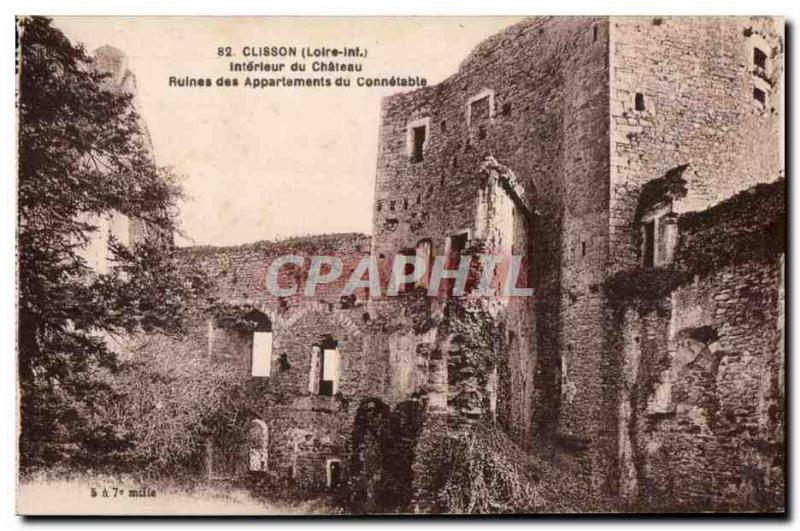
321, 7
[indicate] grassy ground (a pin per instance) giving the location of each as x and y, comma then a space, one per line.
43, 496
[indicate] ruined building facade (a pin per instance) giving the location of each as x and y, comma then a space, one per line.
636, 165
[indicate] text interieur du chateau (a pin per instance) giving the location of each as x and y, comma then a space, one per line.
287, 66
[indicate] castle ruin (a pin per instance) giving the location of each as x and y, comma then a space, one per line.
637, 165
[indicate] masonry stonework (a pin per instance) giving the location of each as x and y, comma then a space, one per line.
542, 146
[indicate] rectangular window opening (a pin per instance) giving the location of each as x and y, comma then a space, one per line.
261, 354
425, 251
418, 137
334, 473
458, 243
759, 59
760, 96
408, 269
329, 374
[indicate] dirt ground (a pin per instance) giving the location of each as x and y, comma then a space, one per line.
114, 496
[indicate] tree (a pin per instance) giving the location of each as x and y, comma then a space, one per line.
82, 152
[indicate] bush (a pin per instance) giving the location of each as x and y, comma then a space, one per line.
484, 471
166, 401
483, 475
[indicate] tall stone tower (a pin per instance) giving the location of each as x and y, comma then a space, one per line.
582, 111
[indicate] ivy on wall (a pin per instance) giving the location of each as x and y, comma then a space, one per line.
479, 335
238, 317
670, 187
748, 227
643, 288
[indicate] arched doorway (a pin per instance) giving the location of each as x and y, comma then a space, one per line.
258, 446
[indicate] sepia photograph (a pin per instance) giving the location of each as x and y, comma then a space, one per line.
396, 265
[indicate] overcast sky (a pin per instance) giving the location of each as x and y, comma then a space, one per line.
269, 163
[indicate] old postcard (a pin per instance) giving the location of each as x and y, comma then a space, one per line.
404, 265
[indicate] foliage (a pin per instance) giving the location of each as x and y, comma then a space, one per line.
484, 471
750, 226
82, 155
483, 476
319, 244
165, 401
238, 316
671, 186
477, 332
643, 287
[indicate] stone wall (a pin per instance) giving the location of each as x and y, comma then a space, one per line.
696, 76
701, 409
306, 431
540, 146
545, 119
699, 348
681, 92
239, 272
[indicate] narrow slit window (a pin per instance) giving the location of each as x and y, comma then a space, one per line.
408, 269
649, 253
457, 245
334, 473
418, 138
638, 101
425, 252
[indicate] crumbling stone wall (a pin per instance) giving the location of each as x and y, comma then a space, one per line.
681, 92
239, 272
305, 430
303, 437
384, 448
570, 117
701, 418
